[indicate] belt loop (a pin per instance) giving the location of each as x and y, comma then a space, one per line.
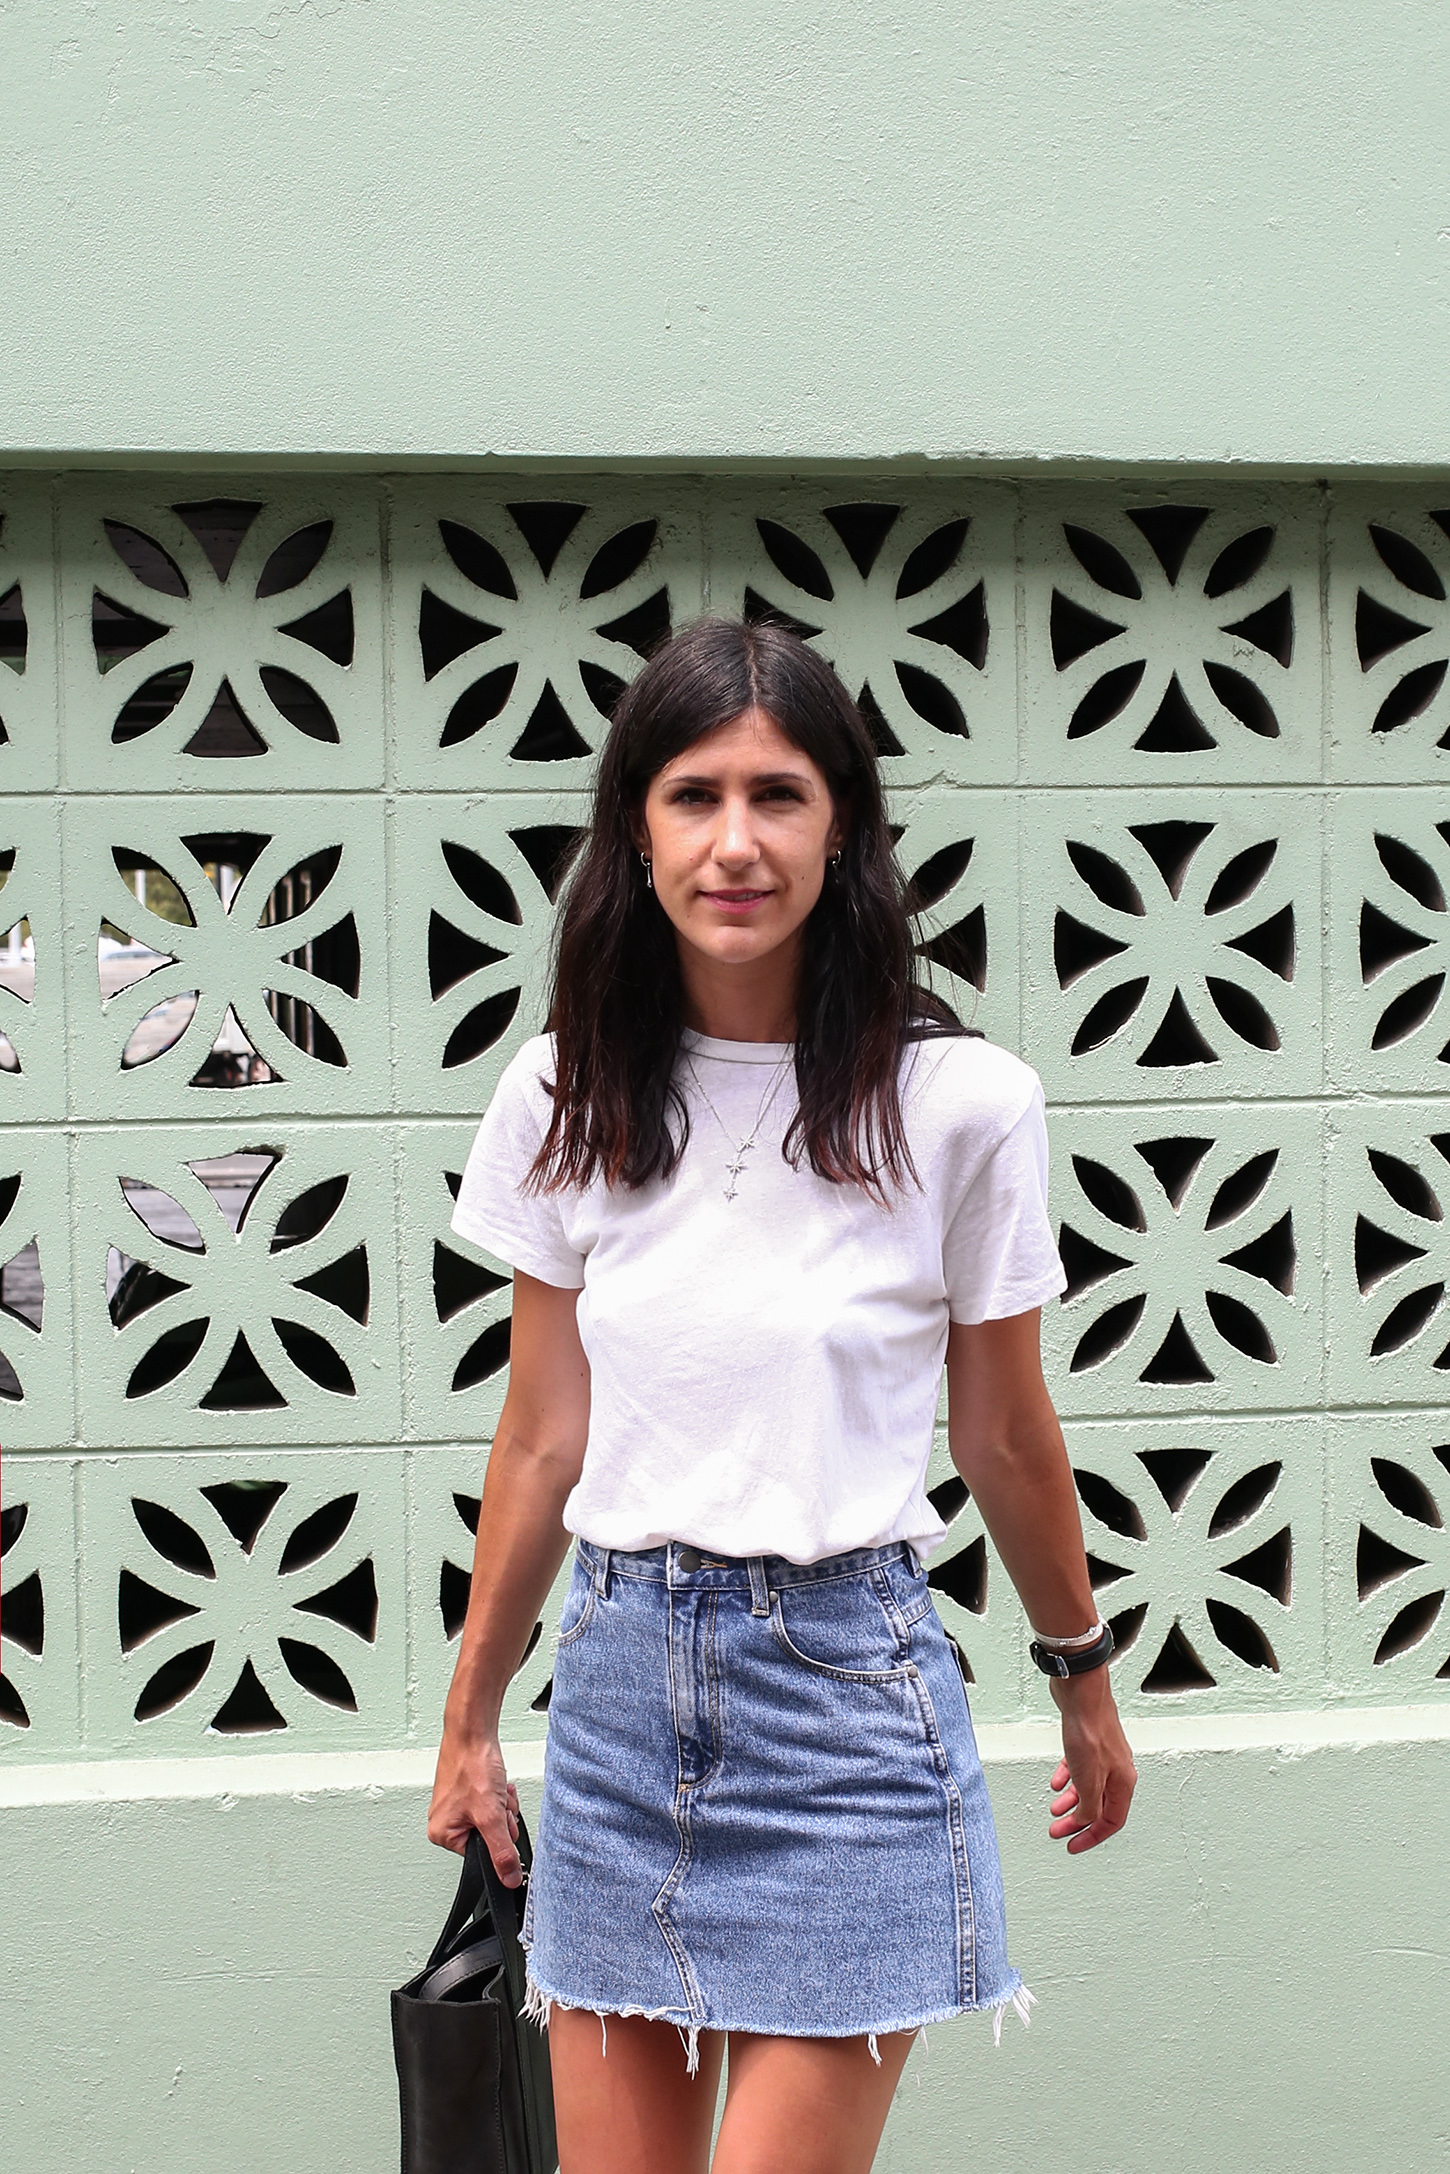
601, 1572
759, 1590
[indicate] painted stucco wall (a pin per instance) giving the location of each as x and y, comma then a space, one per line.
1089, 295
1254, 1987
1193, 230
287, 769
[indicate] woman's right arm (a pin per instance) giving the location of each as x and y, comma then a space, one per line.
535, 1460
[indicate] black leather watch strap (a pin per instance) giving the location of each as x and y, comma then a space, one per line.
1078, 1661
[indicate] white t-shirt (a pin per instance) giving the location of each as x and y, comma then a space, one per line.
765, 1371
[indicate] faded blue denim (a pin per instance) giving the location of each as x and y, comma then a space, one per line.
763, 1806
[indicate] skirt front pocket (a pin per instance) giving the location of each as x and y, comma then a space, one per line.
842, 1627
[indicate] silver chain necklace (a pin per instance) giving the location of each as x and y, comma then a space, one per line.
743, 1147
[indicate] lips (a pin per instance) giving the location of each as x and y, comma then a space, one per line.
735, 901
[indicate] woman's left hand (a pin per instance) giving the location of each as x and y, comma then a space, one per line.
1095, 1781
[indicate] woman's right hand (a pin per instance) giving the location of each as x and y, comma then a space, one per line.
472, 1794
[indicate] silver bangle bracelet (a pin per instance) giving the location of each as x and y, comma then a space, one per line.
1070, 1645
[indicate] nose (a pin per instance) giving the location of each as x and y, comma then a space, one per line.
735, 844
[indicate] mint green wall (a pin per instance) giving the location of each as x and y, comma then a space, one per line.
1168, 762
1200, 230
1033, 270
1255, 1983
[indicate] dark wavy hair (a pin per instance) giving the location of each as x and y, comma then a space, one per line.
617, 1004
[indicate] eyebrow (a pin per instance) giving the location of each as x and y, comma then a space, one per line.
761, 777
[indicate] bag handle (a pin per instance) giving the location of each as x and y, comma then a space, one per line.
504, 1904
477, 1880
470, 1962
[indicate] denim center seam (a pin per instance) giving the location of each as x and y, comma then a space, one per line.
684, 1618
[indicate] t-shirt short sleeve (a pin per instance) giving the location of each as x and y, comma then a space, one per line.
998, 1252
495, 1208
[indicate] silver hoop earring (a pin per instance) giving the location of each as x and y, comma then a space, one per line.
833, 860
649, 874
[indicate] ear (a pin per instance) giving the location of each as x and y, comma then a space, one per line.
836, 835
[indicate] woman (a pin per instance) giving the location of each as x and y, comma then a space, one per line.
756, 1186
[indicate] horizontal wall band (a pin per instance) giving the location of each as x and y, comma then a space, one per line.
297, 1775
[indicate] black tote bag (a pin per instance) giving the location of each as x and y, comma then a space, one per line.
473, 2071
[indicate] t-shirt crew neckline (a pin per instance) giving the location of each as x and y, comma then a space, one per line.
710, 1045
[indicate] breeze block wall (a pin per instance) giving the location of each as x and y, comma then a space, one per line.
288, 770
287, 774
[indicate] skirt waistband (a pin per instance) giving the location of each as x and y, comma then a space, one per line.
680, 1565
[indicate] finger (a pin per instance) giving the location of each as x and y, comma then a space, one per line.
1090, 1833
499, 1843
1090, 1837
1117, 1798
448, 1837
513, 1797
1061, 1776
1069, 1824
1089, 1798
1066, 1802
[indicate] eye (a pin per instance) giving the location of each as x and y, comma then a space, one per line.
689, 796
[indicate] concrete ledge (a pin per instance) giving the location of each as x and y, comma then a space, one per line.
303, 1775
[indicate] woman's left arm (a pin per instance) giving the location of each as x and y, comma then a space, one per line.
1008, 1447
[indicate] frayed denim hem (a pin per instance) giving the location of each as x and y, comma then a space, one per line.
538, 2003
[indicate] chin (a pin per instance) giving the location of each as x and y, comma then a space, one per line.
737, 946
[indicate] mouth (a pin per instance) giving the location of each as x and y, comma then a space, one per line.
735, 902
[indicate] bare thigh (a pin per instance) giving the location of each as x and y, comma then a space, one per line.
630, 2109
807, 2105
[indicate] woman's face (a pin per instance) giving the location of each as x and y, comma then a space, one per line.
738, 830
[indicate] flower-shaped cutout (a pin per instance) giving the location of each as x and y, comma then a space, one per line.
1401, 1257
14, 631
944, 895
235, 1293
245, 1605
473, 971
1191, 1555
477, 917
29, 739
1402, 626
221, 632
1163, 639
1181, 1257
22, 1612
32, 1006
233, 959
532, 1682
471, 1302
532, 616
961, 1568
1174, 947
1402, 1563
1404, 940
444, 1499
17, 963
22, 1289
895, 595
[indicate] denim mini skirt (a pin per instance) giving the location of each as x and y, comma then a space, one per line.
763, 1806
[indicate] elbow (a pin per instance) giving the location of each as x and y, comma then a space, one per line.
1014, 1448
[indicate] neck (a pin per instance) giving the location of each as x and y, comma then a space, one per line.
752, 1002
